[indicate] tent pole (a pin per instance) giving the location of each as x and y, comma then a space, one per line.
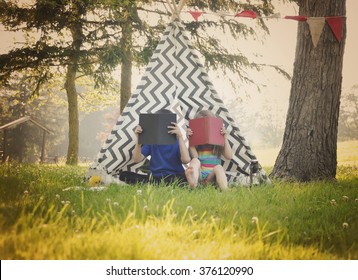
176, 9
175, 12
170, 7
180, 6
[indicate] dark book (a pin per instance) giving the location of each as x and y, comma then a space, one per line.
155, 129
206, 130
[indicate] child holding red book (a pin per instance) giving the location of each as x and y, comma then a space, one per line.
205, 165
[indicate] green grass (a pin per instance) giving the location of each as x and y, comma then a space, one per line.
38, 220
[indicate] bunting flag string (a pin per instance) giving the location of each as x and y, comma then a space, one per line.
316, 27
315, 24
196, 14
298, 18
336, 25
247, 13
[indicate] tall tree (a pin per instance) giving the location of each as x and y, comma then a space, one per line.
126, 46
309, 149
76, 38
76, 28
92, 37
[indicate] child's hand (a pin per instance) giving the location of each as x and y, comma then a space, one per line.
138, 130
174, 129
223, 131
189, 132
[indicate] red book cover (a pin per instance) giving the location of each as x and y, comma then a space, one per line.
206, 130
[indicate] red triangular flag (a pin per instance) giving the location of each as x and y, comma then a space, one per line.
336, 25
298, 18
246, 13
195, 14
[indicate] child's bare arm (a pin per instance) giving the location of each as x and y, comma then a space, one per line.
227, 151
192, 150
137, 153
184, 154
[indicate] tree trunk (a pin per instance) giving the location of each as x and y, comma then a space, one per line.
309, 149
70, 86
126, 66
73, 122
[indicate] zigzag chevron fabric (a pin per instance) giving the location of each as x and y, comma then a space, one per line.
174, 79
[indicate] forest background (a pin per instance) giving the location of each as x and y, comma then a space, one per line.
259, 109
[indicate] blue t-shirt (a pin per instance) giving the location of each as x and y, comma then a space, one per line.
165, 159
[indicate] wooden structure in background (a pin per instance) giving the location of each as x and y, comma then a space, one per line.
22, 120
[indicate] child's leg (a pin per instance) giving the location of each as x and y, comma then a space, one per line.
219, 176
192, 173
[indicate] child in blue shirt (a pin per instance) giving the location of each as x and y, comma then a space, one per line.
166, 161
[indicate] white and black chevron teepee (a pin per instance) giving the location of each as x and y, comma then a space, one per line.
174, 78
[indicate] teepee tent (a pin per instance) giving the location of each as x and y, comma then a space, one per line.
174, 79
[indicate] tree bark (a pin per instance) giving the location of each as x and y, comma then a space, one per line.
309, 149
126, 66
73, 122
70, 86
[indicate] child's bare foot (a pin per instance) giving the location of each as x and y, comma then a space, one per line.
191, 177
